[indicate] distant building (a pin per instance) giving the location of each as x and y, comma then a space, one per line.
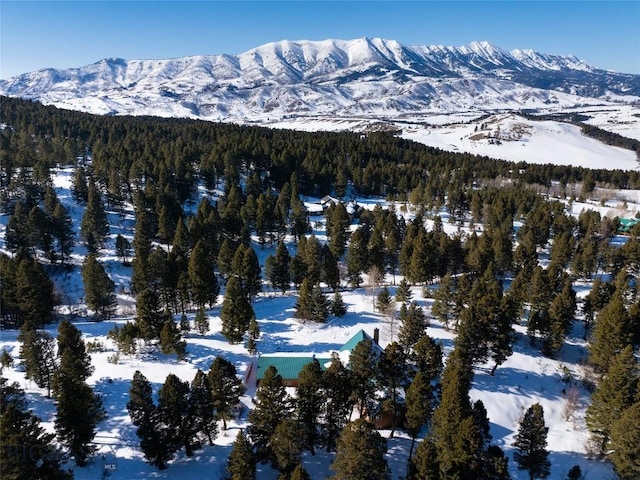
626, 224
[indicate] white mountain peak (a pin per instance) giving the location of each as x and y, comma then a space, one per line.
367, 75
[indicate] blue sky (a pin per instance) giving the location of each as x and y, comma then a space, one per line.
60, 34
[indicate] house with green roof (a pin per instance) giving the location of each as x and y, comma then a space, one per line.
289, 365
626, 224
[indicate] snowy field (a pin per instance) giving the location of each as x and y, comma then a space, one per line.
538, 142
525, 378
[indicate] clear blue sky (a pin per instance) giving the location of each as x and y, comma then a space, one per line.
65, 34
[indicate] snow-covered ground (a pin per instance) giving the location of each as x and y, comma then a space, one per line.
525, 378
538, 142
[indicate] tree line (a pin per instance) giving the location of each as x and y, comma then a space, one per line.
61, 366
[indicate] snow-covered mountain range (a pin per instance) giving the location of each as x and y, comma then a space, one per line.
366, 76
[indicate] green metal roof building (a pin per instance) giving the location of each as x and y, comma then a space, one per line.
290, 365
626, 224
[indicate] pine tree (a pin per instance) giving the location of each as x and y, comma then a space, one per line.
625, 443
502, 333
254, 334
171, 339
420, 268
78, 410
39, 227
360, 453
561, 313
241, 464
424, 464
152, 431
531, 444
309, 402
338, 222
94, 226
38, 354
70, 340
34, 292
286, 446
98, 288
185, 326
201, 322
123, 249
444, 301
149, 318
338, 403
225, 258
403, 292
575, 473
175, 412
312, 256
356, 257
479, 413
202, 278
279, 274
6, 360
27, 451
614, 394
17, 232
304, 305
299, 218
297, 270
312, 303
236, 312
363, 366
125, 337
338, 307
330, 274
495, 464
385, 303
273, 405
610, 334
392, 376
201, 407
413, 325
79, 190
427, 357
319, 305
250, 273
299, 473
419, 401
453, 428
226, 388
63, 232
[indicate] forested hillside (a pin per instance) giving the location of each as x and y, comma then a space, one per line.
211, 220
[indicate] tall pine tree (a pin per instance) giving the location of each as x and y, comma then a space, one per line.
27, 451
614, 394
236, 312
273, 405
152, 431
625, 443
309, 402
360, 453
98, 288
531, 444
226, 388
241, 464
78, 410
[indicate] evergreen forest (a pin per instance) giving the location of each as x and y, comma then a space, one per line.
217, 219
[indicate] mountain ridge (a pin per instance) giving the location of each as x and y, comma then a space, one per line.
371, 76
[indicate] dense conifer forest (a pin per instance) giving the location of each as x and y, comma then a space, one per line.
207, 196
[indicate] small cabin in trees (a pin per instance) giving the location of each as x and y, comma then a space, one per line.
626, 224
289, 365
